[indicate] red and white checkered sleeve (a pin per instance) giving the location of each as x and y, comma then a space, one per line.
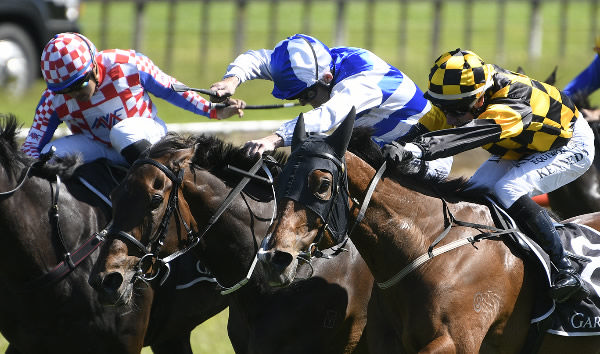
42, 129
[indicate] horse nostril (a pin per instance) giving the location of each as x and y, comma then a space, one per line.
112, 281
282, 259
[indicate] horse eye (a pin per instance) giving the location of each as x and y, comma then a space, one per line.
323, 191
319, 182
324, 186
156, 201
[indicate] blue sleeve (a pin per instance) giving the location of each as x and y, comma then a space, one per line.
587, 81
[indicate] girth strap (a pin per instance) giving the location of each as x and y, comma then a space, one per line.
449, 222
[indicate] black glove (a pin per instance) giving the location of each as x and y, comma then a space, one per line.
396, 154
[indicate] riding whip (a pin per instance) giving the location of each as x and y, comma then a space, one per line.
182, 88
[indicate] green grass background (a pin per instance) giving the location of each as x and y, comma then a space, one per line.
211, 336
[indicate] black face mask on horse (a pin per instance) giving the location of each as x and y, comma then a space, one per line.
333, 210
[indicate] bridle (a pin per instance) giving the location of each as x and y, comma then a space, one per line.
313, 250
41, 161
71, 258
150, 252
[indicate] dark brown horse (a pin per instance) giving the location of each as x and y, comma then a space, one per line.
323, 314
471, 299
46, 311
583, 194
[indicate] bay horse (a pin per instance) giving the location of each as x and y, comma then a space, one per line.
325, 313
474, 299
47, 306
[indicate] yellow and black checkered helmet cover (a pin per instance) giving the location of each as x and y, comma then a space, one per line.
457, 76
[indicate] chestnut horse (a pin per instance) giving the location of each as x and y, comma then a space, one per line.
190, 177
47, 310
471, 299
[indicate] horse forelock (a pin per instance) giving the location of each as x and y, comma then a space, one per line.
451, 189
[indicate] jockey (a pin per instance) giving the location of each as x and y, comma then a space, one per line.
103, 98
537, 138
331, 80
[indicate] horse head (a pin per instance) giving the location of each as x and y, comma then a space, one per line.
312, 198
145, 205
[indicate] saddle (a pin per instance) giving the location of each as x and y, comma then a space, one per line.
100, 177
582, 246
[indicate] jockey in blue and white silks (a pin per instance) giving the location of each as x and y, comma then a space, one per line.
332, 81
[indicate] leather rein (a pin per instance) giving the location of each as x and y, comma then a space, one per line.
70, 259
432, 251
150, 252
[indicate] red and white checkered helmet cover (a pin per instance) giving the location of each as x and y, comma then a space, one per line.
65, 59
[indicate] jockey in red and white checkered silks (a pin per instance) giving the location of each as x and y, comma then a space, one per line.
103, 97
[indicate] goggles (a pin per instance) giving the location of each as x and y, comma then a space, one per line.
77, 85
307, 94
457, 109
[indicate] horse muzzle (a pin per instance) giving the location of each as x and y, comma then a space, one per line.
280, 266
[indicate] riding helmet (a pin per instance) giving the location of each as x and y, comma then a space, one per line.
297, 63
65, 59
458, 78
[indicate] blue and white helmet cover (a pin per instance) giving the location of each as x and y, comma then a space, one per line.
293, 64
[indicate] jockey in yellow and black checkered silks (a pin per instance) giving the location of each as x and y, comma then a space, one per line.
530, 116
533, 130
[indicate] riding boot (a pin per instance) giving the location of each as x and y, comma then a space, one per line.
537, 223
133, 151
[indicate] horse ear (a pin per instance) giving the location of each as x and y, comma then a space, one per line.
340, 138
299, 132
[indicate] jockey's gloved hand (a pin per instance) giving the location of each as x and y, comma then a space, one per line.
396, 153
45, 157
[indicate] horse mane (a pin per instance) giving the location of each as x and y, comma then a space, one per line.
451, 189
10, 156
211, 153
13, 159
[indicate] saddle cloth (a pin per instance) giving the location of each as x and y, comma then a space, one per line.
582, 245
580, 318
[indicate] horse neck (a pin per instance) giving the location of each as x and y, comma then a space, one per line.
229, 246
28, 233
399, 224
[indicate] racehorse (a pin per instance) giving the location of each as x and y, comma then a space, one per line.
46, 304
583, 194
475, 298
189, 176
